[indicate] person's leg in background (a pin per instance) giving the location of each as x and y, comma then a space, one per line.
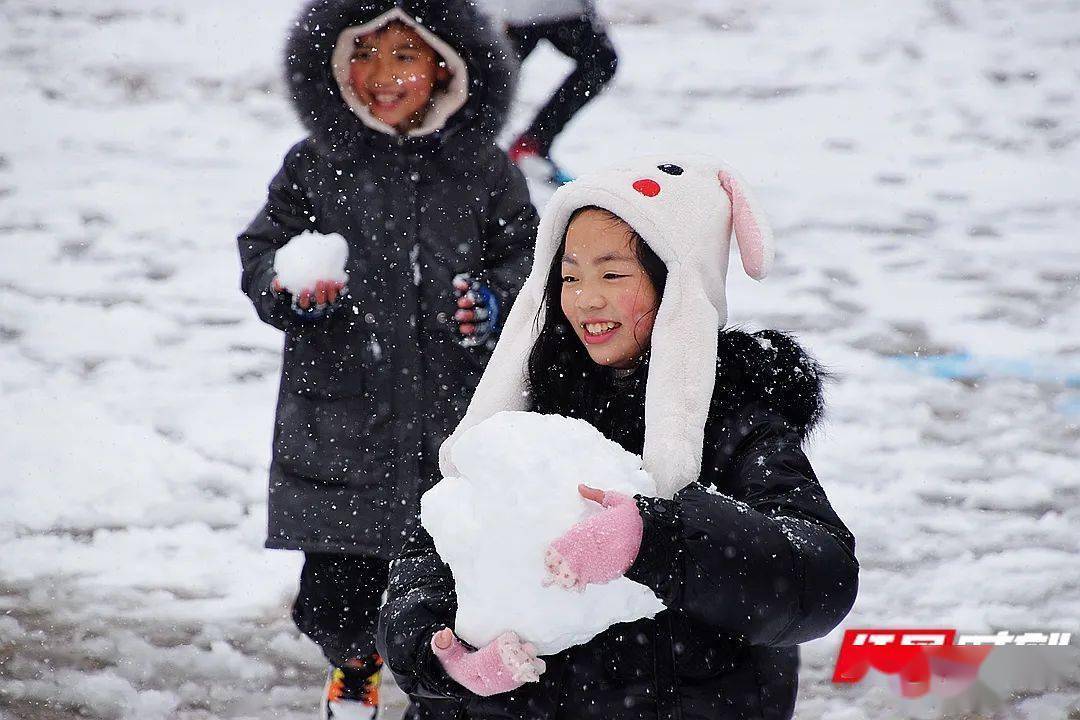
584, 40
337, 606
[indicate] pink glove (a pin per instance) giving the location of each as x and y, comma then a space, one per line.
598, 549
504, 664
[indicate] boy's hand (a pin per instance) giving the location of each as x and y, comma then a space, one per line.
308, 300
504, 664
478, 310
598, 549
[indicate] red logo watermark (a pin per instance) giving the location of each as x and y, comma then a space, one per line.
943, 659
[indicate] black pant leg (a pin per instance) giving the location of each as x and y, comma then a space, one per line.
584, 41
337, 605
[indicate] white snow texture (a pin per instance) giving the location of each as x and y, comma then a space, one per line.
919, 161
310, 257
516, 493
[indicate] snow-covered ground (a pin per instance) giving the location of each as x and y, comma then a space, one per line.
920, 160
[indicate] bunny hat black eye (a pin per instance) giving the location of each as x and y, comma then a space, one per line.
670, 169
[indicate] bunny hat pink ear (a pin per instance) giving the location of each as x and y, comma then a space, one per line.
686, 209
752, 232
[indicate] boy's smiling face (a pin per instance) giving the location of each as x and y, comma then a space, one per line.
606, 294
394, 72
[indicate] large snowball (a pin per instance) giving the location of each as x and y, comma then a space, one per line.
517, 491
309, 257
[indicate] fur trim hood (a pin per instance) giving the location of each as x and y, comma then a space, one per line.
771, 370
686, 210
478, 103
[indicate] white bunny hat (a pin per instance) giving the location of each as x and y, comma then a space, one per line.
685, 210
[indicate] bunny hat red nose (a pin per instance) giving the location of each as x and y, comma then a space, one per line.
648, 188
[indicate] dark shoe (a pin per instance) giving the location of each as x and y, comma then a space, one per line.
530, 157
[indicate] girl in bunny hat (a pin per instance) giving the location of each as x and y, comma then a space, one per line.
621, 323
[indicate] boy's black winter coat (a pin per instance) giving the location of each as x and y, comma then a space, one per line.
368, 393
750, 561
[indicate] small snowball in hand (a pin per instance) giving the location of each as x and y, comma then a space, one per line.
308, 260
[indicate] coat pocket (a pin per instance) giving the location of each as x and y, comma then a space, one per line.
332, 423
340, 441
330, 361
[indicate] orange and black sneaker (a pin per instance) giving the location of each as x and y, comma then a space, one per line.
352, 693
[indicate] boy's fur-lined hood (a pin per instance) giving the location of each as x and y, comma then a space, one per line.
771, 369
316, 95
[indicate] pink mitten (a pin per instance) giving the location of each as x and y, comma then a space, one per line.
597, 549
504, 664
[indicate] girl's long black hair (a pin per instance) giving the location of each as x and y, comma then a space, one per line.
562, 377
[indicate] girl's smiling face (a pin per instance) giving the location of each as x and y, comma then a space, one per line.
394, 72
607, 297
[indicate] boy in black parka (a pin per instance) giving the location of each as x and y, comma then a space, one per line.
440, 229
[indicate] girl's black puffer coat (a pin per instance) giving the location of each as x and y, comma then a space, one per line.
369, 393
750, 561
